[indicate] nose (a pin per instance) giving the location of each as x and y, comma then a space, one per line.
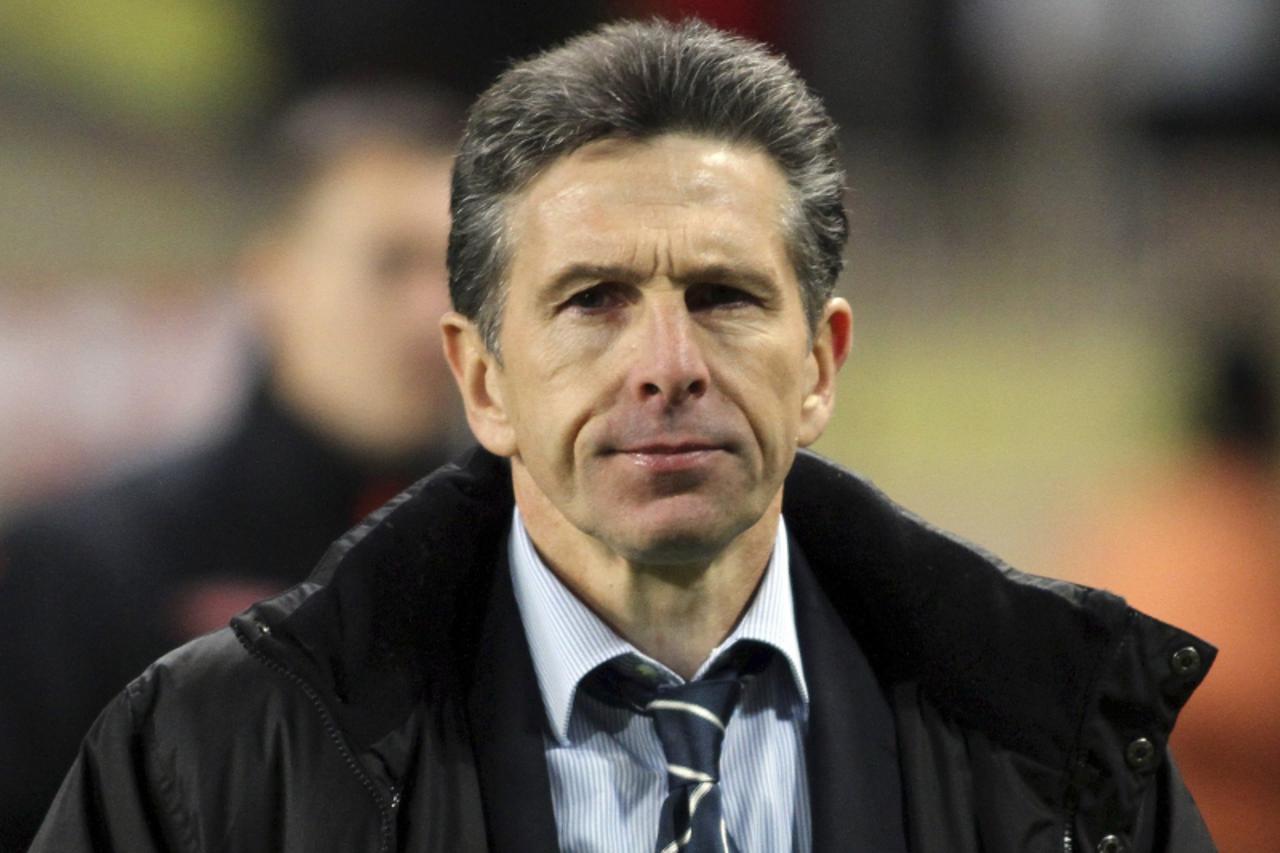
669, 366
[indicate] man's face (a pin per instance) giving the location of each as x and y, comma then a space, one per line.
356, 288
657, 370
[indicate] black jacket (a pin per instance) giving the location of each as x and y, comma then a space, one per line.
385, 703
95, 586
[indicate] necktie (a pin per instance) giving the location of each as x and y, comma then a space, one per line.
690, 720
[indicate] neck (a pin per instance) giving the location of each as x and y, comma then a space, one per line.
676, 614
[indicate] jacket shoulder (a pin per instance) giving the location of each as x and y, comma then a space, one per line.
215, 699
246, 753
1040, 685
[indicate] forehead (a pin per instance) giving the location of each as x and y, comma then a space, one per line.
379, 184
699, 168
704, 196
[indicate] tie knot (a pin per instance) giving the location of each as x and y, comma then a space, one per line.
690, 720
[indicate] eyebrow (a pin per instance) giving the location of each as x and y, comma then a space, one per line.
577, 273
729, 274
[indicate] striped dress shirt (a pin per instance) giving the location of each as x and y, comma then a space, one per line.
606, 765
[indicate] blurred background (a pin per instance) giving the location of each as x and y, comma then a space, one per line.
1050, 210
1065, 261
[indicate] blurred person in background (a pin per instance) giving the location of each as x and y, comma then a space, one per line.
1199, 543
351, 402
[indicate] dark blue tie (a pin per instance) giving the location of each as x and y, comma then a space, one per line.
690, 720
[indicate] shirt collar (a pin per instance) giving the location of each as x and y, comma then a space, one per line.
567, 640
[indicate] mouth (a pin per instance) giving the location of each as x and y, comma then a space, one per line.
671, 455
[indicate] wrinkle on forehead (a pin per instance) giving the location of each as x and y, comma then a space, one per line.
653, 207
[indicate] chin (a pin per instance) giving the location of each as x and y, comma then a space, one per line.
690, 551
688, 541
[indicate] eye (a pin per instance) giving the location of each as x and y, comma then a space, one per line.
706, 296
598, 298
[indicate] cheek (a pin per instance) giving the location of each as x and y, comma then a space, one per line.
548, 411
770, 385
569, 374
575, 353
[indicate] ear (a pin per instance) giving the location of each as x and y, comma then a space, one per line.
831, 343
479, 378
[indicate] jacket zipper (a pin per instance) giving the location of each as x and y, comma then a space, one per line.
1068, 829
386, 805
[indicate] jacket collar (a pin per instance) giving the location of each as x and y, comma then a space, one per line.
395, 608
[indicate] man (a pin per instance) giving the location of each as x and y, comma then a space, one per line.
598, 632
351, 402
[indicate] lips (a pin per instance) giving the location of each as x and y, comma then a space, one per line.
671, 455
670, 447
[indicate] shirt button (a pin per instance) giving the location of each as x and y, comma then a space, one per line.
1186, 661
1110, 844
1140, 753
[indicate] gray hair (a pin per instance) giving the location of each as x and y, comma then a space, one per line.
637, 80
